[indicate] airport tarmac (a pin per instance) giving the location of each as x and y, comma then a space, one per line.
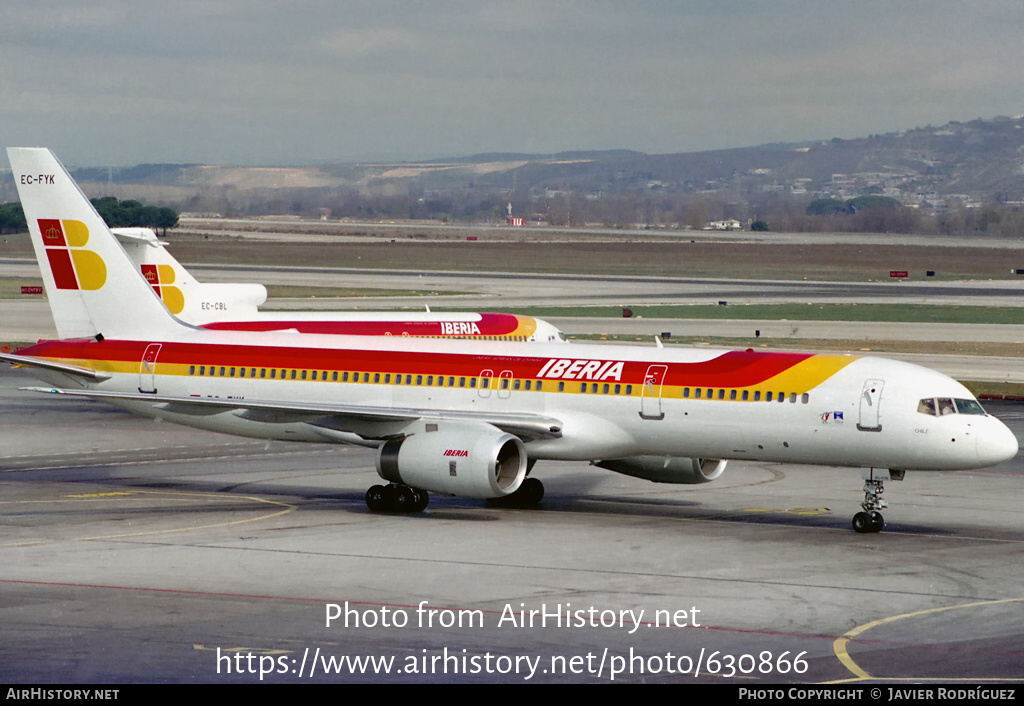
136, 551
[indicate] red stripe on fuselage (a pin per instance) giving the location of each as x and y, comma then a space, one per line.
732, 369
489, 324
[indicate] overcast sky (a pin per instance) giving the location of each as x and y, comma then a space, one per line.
268, 82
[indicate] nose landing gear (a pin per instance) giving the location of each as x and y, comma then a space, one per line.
871, 520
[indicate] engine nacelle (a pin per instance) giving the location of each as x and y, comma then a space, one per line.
477, 462
667, 469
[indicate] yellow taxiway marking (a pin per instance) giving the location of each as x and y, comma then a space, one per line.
839, 646
789, 511
183, 496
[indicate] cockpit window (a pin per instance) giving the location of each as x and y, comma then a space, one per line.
969, 407
941, 406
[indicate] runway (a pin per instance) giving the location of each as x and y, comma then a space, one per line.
486, 290
475, 290
135, 551
327, 231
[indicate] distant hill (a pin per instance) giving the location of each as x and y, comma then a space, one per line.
139, 174
980, 160
526, 156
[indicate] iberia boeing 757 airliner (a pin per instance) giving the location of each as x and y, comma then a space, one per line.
235, 307
471, 420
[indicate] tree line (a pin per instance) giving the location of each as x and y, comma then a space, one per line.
12, 218
135, 214
771, 211
117, 214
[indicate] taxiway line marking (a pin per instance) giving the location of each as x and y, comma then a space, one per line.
840, 645
184, 496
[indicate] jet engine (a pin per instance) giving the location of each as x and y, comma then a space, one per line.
667, 469
474, 462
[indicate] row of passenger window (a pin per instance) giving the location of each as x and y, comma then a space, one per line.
473, 337
503, 383
744, 395
376, 378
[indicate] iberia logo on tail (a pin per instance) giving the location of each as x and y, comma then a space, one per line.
161, 277
72, 265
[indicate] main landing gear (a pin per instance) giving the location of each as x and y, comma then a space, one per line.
396, 498
871, 520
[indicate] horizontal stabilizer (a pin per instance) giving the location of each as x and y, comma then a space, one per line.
27, 362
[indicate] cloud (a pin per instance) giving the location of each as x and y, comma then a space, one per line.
364, 42
253, 81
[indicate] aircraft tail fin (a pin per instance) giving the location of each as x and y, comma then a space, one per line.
165, 275
92, 286
182, 294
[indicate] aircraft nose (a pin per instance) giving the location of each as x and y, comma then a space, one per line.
996, 443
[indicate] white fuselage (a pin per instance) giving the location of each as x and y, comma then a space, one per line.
864, 414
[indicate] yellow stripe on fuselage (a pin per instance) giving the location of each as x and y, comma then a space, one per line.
805, 375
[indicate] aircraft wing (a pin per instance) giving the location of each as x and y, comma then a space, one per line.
22, 361
367, 421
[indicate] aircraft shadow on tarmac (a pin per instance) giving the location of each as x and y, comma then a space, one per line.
565, 494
